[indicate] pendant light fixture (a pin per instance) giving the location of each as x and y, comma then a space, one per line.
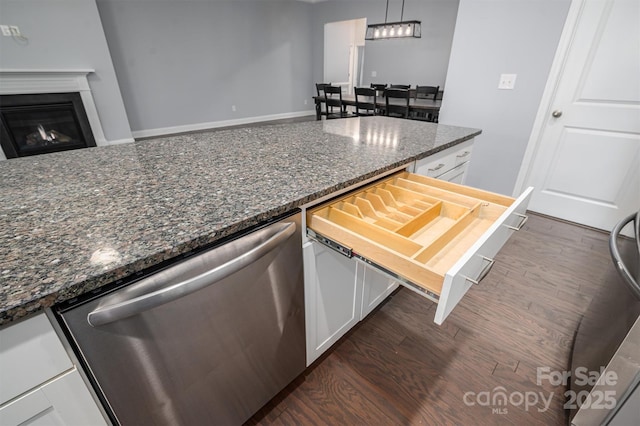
401, 29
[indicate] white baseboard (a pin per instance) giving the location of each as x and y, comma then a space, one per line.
116, 142
162, 131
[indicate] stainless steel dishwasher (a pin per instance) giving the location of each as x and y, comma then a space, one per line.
208, 340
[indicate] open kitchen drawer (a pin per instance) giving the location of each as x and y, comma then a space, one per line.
437, 238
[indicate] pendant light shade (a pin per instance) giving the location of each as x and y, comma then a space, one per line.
400, 29
388, 30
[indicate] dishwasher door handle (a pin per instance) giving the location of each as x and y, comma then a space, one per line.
124, 309
615, 251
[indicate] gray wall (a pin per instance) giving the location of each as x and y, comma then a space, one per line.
187, 62
494, 37
402, 61
66, 34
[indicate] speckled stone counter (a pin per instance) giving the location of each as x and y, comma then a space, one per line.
73, 221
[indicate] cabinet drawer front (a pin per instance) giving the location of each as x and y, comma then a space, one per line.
442, 162
456, 174
463, 156
30, 354
420, 229
438, 167
477, 261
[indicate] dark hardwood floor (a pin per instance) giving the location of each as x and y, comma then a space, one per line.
398, 367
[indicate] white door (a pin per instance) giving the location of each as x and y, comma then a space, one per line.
342, 41
584, 153
338, 44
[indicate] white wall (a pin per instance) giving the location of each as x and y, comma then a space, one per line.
494, 37
403, 61
66, 34
184, 63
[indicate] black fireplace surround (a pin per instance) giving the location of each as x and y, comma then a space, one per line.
43, 123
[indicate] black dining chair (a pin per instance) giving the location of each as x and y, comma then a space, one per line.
397, 109
368, 104
320, 98
401, 86
380, 88
333, 99
320, 88
426, 92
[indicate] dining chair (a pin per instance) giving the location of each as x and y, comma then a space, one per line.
401, 86
379, 87
426, 92
320, 98
320, 88
399, 109
333, 99
368, 105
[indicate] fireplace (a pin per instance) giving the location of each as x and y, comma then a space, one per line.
68, 83
32, 124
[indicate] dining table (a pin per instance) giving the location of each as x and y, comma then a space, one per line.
428, 106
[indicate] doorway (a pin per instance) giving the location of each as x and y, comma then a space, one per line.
344, 53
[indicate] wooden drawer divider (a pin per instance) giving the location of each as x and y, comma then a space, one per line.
406, 221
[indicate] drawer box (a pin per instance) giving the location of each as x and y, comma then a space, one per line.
438, 238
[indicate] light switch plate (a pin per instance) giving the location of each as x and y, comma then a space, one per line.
507, 81
374, 73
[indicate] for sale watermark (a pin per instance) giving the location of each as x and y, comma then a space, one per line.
499, 399
594, 399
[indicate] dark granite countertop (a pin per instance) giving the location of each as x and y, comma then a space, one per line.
73, 221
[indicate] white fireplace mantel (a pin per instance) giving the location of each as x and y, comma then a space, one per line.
29, 81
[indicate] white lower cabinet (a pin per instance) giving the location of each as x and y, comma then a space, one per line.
376, 287
429, 234
456, 175
339, 292
39, 385
62, 401
450, 164
333, 294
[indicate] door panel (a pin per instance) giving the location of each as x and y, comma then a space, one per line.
621, 36
584, 178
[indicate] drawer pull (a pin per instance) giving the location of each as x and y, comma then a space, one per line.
464, 154
438, 167
523, 220
482, 273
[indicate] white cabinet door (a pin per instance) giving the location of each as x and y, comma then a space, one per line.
376, 287
333, 294
63, 401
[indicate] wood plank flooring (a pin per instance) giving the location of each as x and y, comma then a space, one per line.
398, 367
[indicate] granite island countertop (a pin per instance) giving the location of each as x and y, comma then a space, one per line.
73, 221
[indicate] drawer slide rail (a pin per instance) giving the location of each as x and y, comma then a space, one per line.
348, 252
